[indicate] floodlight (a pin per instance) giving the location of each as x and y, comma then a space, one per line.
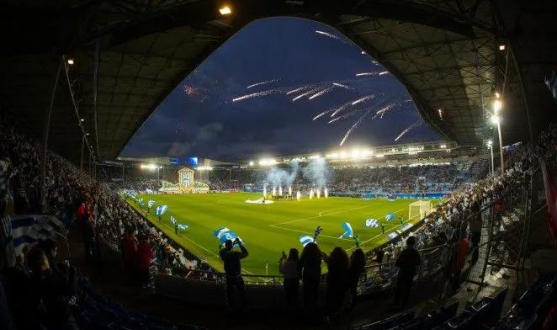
225, 10
495, 119
70, 60
489, 143
497, 105
502, 47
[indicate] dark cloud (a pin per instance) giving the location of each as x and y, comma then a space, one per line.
199, 119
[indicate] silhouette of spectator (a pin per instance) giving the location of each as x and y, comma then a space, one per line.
458, 261
407, 262
475, 231
310, 268
357, 265
145, 256
89, 237
51, 250
337, 279
233, 270
129, 250
288, 267
379, 254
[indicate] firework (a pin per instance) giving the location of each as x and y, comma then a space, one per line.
262, 83
297, 90
356, 124
365, 98
341, 85
311, 91
257, 94
330, 35
409, 128
326, 90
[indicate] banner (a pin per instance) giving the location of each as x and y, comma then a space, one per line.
390, 216
150, 203
372, 223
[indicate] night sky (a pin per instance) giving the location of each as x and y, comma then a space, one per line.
199, 117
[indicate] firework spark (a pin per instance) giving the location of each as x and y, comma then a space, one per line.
341, 108
257, 94
297, 90
356, 124
311, 91
341, 85
371, 73
263, 83
409, 128
365, 98
330, 35
382, 111
326, 90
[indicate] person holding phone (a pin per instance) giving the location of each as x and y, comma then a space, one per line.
233, 270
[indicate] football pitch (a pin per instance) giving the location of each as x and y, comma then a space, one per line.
269, 229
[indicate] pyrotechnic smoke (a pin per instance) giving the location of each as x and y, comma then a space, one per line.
317, 172
279, 177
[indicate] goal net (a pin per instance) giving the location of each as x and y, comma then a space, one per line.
419, 209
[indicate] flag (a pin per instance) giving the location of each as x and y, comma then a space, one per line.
179, 225
224, 234
140, 201
150, 203
160, 210
390, 216
306, 239
348, 232
29, 229
316, 233
550, 196
372, 223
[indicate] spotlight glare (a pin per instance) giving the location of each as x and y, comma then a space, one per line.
70, 61
225, 10
502, 47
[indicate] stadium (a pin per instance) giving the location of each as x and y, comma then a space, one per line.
278, 164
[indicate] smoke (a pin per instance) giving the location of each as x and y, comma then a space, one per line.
317, 172
280, 177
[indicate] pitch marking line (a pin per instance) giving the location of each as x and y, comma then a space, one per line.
321, 215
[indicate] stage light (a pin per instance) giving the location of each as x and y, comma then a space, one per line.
314, 157
148, 166
497, 95
497, 105
495, 119
502, 47
225, 10
70, 60
251, 163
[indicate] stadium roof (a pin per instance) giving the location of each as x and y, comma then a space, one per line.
446, 52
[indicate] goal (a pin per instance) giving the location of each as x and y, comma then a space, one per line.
419, 209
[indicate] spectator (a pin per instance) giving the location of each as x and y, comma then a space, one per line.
129, 250
288, 267
407, 262
310, 268
89, 238
379, 254
356, 269
55, 290
233, 270
337, 279
144, 258
458, 261
51, 250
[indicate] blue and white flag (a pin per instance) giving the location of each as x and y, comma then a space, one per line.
140, 201
29, 229
348, 232
160, 210
179, 225
390, 216
372, 223
316, 233
150, 203
224, 234
306, 239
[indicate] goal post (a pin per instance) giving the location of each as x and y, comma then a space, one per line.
419, 209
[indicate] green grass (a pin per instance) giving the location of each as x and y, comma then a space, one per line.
271, 228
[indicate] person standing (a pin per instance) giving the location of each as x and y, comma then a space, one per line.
288, 267
407, 263
337, 279
144, 258
310, 268
129, 250
356, 269
233, 270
